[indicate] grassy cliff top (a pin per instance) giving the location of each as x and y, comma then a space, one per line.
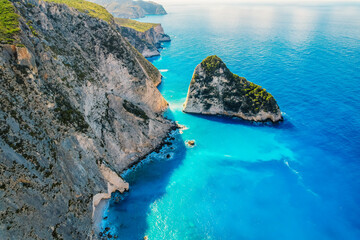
136, 25
9, 23
92, 9
212, 63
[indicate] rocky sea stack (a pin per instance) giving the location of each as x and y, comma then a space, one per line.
215, 90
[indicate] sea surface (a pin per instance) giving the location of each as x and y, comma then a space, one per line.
299, 179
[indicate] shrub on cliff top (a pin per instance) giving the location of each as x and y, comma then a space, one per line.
212, 63
9, 23
131, 108
92, 9
136, 25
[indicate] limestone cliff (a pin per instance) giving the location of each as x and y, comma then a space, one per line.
78, 104
131, 8
214, 90
145, 37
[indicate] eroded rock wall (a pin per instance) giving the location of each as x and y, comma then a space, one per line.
75, 97
148, 42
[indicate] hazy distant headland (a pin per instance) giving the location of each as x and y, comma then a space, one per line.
130, 8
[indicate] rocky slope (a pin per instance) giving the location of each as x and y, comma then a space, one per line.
78, 104
130, 8
214, 90
147, 40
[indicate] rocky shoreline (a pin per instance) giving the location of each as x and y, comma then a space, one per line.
100, 204
164, 142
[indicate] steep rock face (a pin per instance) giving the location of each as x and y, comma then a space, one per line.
130, 8
78, 104
147, 42
214, 90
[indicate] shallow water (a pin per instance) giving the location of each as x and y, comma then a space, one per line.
296, 180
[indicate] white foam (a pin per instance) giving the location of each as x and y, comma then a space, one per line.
300, 179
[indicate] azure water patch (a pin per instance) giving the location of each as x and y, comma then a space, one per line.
296, 180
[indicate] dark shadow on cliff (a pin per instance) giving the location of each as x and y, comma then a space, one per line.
152, 59
285, 124
163, 46
148, 181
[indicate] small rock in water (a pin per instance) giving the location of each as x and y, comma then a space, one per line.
191, 142
168, 156
146, 238
107, 229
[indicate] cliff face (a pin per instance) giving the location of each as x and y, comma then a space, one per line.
78, 104
130, 8
214, 90
146, 42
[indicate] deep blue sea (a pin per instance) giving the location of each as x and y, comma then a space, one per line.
298, 180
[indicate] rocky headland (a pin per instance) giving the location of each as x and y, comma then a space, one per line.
145, 37
78, 105
131, 8
215, 90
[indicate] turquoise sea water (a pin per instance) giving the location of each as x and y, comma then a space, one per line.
296, 180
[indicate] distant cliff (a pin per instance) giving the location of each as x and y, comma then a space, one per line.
214, 90
78, 104
145, 37
130, 8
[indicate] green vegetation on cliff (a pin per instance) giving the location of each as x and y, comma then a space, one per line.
238, 94
92, 9
136, 25
252, 91
131, 108
9, 23
212, 63
258, 95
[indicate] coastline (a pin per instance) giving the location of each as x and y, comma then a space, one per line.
164, 142
238, 117
101, 200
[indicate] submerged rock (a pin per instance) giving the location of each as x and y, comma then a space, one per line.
190, 142
215, 90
